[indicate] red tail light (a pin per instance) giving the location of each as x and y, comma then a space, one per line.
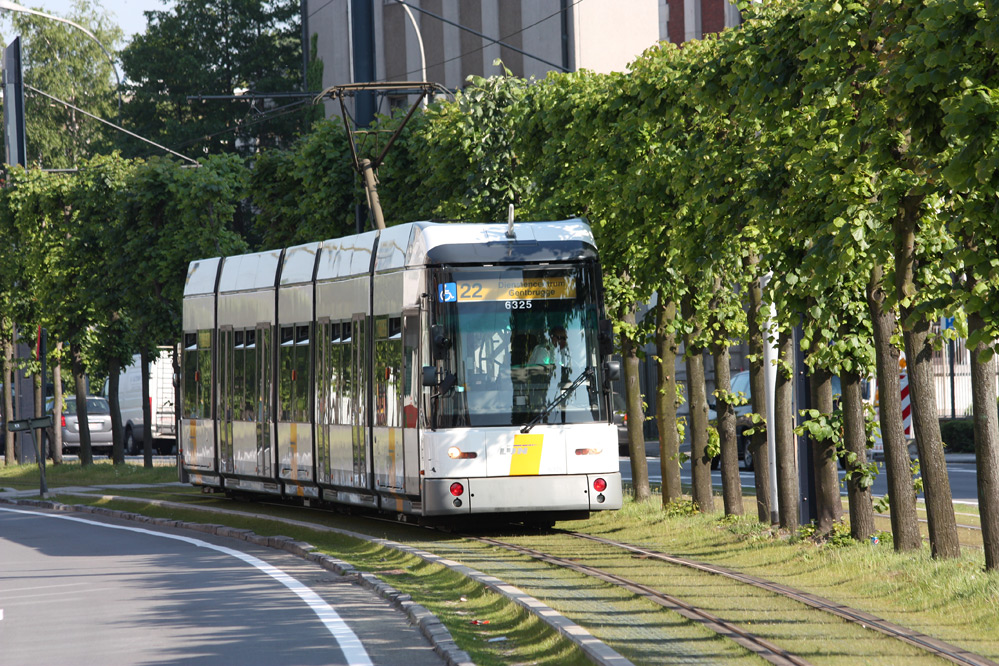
599, 485
64, 421
457, 489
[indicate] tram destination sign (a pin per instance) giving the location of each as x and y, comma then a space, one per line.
509, 289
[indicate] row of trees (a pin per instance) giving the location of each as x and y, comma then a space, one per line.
98, 258
847, 151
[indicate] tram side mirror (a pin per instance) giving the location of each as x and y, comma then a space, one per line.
430, 377
449, 382
605, 337
612, 370
441, 342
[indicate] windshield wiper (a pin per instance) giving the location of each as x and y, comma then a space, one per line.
587, 373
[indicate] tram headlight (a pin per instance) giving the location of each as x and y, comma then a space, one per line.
455, 453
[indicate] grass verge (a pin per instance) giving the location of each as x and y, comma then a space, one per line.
102, 472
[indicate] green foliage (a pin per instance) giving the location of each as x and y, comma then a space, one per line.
76, 240
680, 507
713, 449
958, 435
470, 166
215, 48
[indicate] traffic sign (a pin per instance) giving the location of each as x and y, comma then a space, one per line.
16, 426
29, 424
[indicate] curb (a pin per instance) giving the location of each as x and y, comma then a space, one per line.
430, 626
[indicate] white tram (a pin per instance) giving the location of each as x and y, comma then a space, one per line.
434, 370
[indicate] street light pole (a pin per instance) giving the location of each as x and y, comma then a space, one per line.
419, 40
14, 7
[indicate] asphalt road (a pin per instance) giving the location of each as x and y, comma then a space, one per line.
95, 590
960, 468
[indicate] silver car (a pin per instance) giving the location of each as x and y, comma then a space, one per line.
98, 416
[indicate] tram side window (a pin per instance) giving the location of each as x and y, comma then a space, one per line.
342, 371
198, 375
286, 372
251, 389
265, 374
412, 388
190, 363
238, 376
388, 371
294, 375
303, 373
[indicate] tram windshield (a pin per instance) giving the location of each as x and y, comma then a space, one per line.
518, 340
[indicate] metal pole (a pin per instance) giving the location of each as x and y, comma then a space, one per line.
42, 348
371, 189
953, 399
362, 18
419, 39
808, 508
770, 375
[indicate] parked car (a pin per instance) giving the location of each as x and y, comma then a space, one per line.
98, 416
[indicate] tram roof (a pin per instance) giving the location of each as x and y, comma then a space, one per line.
409, 244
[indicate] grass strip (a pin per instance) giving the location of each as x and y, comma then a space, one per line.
100, 473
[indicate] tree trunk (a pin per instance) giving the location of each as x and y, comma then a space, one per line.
147, 417
57, 405
758, 389
8, 398
922, 395
983, 388
633, 401
788, 495
669, 440
731, 483
114, 402
80, 378
855, 442
901, 495
829, 504
697, 401
926, 427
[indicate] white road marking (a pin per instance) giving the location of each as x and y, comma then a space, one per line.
348, 641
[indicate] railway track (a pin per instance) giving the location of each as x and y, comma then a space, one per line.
759, 646
926, 643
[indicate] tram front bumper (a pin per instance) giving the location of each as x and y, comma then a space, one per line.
516, 494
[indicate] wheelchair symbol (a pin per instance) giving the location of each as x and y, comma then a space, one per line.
447, 292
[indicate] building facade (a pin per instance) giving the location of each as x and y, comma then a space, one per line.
446, 41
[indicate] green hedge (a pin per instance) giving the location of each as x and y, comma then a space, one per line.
958, 435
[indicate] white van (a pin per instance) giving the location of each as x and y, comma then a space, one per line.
161, 400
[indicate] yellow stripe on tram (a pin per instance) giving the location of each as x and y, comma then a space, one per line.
526, 459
